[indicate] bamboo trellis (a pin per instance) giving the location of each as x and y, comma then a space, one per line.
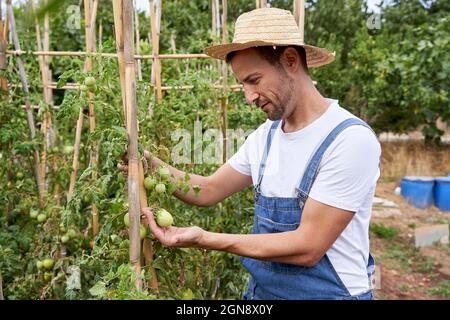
125, 17
30, 117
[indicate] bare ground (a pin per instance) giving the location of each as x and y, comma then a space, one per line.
408, 272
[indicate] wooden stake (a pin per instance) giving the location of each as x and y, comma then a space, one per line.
147, 247
117, 8
1, 279
174, 51
106, 55
6, 26
225, 82
138, 37
90, 10
44, 68
299, 14
3, 64
124, 10
213, 16
30, 118
156, 66
87, 64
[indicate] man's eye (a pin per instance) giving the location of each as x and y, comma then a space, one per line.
253, 81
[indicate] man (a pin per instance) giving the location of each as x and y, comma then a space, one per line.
313, 164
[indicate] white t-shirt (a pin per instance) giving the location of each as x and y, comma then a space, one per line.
347, 177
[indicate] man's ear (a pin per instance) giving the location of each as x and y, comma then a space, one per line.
291, 59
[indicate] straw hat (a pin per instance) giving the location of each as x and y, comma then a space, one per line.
269, 27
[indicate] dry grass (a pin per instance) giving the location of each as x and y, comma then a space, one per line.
413, 158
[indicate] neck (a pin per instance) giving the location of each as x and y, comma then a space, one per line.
309, 105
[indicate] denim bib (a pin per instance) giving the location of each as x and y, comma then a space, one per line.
274, 280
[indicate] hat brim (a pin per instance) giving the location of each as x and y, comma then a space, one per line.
315, 57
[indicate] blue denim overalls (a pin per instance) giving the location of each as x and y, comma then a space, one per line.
273, 280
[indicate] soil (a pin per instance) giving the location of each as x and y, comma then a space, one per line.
408, 272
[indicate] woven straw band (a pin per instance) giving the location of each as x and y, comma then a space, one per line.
269, 27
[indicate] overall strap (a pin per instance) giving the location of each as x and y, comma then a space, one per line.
262, 165
313, 166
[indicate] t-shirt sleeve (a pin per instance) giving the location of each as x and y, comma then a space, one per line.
240, 161
349, 169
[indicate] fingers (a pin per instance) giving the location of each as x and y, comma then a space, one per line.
122, 167
156, 230
147, 154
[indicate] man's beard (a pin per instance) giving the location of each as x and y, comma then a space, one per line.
279, 108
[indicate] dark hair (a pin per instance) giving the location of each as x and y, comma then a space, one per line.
272, 55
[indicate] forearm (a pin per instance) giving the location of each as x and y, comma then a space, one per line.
190, 197
284, 247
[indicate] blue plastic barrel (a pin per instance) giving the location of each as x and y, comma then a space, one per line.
442, 193
418, 191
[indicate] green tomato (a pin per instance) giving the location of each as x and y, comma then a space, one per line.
33, 213
48, 263
126, 219
83, 87
142, 231
71, 233
65, 238
171, 188
39, 265
41, 217
164, 218
86, 199
164, 173
149, 183
19, 175
68, 149
187, 295
114, 238
48, 276
160, 188
61, 227
89, 81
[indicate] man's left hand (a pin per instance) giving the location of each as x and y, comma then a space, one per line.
174, 236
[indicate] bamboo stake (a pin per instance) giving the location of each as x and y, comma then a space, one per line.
3, 64
100, 34
30, 118
225, 82
213, 16
6, 26
138, 37
1, 279
299, 14
117, 8
74, 86
106, 55
76, 151
147, 247
125, 14
90, 9
174, 50
156, 66
44, 68
217, 15
133, 162
89, 39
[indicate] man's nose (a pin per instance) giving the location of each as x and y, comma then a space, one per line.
251, 96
